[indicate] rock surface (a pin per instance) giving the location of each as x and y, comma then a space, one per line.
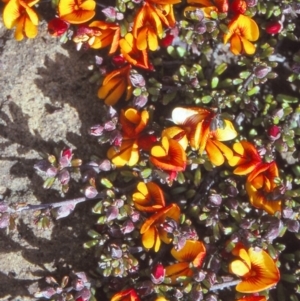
46, 102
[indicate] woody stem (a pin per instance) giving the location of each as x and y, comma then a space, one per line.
224, 285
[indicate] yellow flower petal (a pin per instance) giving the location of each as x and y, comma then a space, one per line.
11, 13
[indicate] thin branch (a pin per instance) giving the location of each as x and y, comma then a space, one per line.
54, 204
224, 285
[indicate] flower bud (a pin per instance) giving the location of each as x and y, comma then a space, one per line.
273, 27
90, 192
158, 274
261, 71
105, 165
64, 177
96, 130
118, 60
238, 6
251, 3
167, 40
57, 27
274, 132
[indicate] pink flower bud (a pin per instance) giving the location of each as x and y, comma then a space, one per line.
274, 132
167, 40
96, 130
158, 274
57, 27
118, 60
273, 27
238, 6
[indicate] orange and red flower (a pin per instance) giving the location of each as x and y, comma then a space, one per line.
242, 30
256, 268
126, 295
115, 85
133, 55
168, 155
191, 255
76, 11
153, 231
246, 158
207, 6
19, 14
133, 123
99, 34
205, 130
261, 188
149, 197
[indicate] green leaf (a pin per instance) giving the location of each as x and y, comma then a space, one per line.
253, 91
48, 183
237, 81
181, 51
90, 244
214, 82
206, 99
286, 98
168, 97
106, 183
146, 173
220, 69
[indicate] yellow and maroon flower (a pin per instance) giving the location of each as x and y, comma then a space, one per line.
133, 55
126, 295
204, 132
246, 158
99, 34
191, 255
256, 268
76, 11
168, 155
152, 230
19, 14
178, 134
115, 85
133, 122
207, 6
261, 188
242, 31
149, 197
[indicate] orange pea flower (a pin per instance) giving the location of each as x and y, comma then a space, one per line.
191, 255
178, 134
127, 154
205, 131
133, 123
19, 14
152, 230
168, 155
126, 295
256, 268
252, 298
147, 27
261, 188
76, 11
149, 197
115, 85
242, 31
99, 34
133, 55
246, 158
207, 6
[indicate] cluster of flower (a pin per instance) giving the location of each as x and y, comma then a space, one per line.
200, 129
